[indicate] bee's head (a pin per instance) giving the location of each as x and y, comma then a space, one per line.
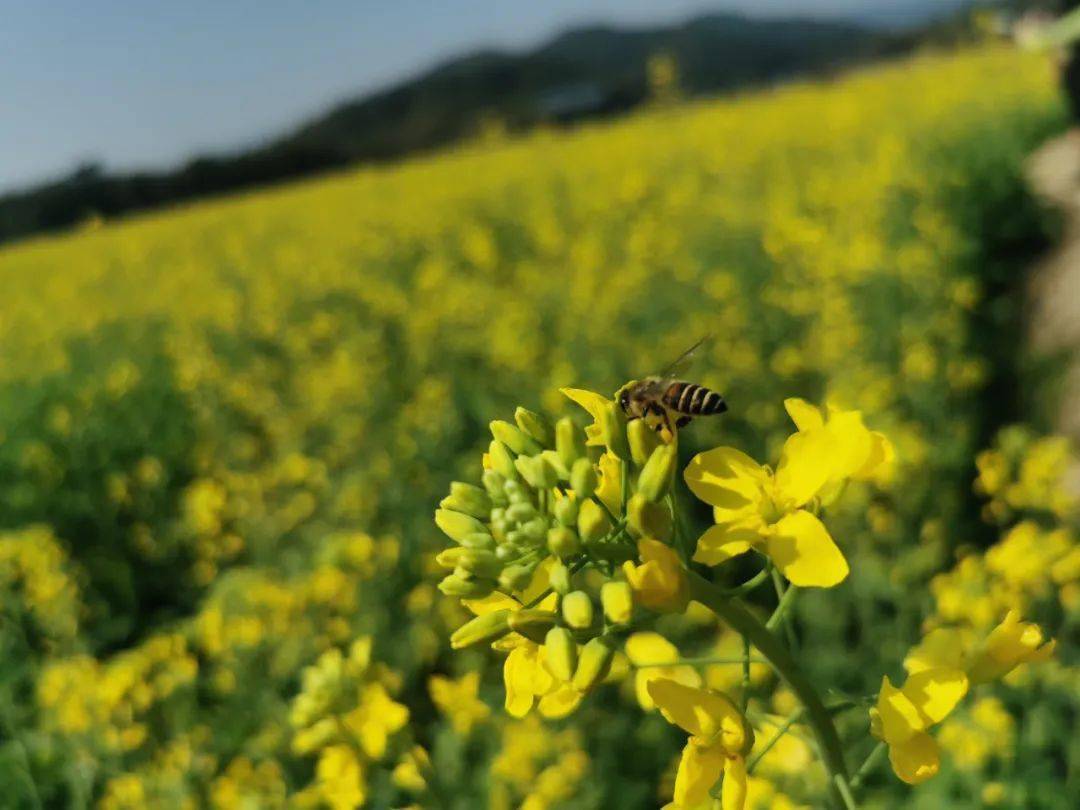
623, 396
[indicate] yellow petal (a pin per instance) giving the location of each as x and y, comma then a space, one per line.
882, 454
851, 443
589, 400
805, 466
699, 769
916, 759
941, 648
803, 414
726, 478
935, 692
560, 702
733, 793
900, 718
518, 679
489, 604
700, 712
803, 550
722, 542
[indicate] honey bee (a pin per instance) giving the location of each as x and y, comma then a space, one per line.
664, 398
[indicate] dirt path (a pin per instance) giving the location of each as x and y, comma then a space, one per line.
1054, 291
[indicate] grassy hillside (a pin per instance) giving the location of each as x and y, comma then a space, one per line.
229, 423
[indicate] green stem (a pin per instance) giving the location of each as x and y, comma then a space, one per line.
744, 699
817, 716
780, 732
785, 597
749, 585
868, 765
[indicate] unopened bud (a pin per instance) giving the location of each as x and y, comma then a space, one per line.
467, 499
494, 483
583, 479
613, 430
647, 519
514, 438
480, 563
577, 609
566, 511
642, 439
489, 627
559, 578
465, 588
617, 599
561, 653
458, 525
556, 462
533, 624
656, 475
594, 662
478, 540
502, 462
537, 471
592, 522
515, 577
563, 542
569, 441
535, 426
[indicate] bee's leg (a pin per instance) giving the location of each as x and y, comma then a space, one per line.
683, 421
663, 421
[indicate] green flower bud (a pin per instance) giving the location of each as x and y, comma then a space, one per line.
462, 587
648, 519
583, 479
494, 483
480, 563
516, 577
467, 499
481, 630
556, 462
594, 663
561, 652
458, 525
559, 578
642, 439
534, 425
521, 443
592, 522
506, 553
533, 624
566, 511
656, 475
537, 471
613, 430
563, 542
569, 441
520, 512
478, 540
535, 531
577, 609
502, 462
617, 599
449, 558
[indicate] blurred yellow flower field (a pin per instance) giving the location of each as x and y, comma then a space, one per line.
224, 429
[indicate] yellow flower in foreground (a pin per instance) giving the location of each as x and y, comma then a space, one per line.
659, 581
720, 738
340, 777
527, 679
757, 508
857, 451
595, 404
458, 700
1008, 645
646, 649
902, 716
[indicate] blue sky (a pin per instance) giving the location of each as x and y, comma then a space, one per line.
147, 84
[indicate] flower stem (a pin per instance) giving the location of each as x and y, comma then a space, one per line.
868, 765
780, 732
744, 700
817, 716
786, 597
749, 585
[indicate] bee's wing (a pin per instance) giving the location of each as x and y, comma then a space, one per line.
683, 361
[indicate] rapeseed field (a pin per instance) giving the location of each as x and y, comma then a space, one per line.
224, 430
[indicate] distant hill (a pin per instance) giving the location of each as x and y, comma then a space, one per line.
583, 73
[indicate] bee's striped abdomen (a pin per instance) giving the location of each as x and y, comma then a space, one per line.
693, 399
